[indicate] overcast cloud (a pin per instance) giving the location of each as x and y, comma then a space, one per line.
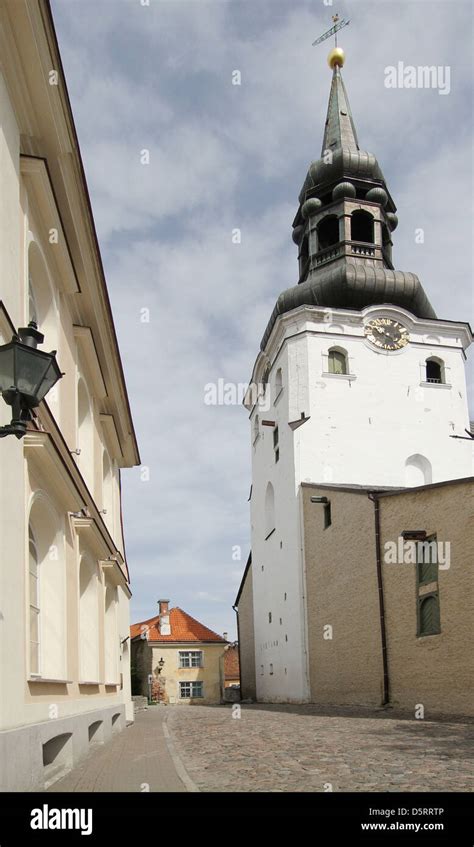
223, 156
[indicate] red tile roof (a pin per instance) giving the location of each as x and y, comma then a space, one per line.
231, 662
183, 628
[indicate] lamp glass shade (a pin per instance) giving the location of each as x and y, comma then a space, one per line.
7, 372
31, 372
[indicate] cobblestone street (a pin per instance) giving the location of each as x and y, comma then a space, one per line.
278, 748
303, 748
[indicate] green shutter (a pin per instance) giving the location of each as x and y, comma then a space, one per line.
429, 615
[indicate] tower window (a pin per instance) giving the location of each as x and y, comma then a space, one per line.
269, 510
362, 226
328, 232
337, 362
256, 430
276, 446
278, 383
327, 515
434, 371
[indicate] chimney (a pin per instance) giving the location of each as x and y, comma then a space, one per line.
224, 635
165, 627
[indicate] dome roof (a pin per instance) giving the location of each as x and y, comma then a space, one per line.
350, 286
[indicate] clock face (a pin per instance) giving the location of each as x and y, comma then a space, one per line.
386, 333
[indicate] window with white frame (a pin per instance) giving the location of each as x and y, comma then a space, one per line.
190, 658
190, 690
47, 590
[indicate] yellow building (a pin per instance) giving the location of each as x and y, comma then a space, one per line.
64, 583
176, 659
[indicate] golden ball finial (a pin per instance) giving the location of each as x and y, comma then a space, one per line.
336, 57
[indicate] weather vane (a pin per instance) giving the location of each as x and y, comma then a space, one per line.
336, 56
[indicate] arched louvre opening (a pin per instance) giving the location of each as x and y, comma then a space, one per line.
362, 226
328, 232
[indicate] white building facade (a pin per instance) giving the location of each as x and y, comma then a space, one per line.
64, 583
357, 383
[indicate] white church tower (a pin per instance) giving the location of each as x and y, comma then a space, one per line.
357, 382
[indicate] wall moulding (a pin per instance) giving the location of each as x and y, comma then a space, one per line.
39, 187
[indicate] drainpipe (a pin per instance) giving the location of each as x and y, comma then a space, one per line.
238, 647
378, 557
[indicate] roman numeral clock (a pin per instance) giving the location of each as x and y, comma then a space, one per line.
386, 334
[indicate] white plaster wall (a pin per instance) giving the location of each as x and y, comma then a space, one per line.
12, 522
278, 587
360, 431
18, 706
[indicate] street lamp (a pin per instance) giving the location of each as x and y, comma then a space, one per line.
26, 376
161, 665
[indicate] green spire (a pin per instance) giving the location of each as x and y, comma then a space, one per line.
339, 129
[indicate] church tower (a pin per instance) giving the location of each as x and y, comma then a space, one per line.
357, 382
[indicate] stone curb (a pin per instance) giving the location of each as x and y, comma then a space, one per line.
177, 761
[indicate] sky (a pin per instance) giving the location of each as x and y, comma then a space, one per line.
177, 159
